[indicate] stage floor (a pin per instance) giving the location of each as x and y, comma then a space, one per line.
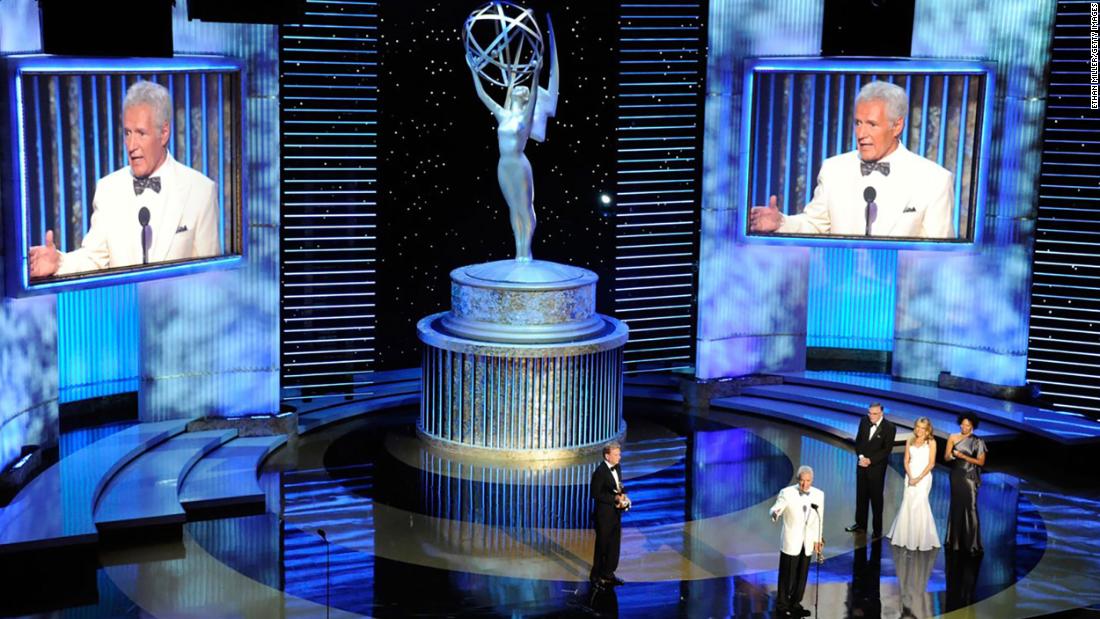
412, 533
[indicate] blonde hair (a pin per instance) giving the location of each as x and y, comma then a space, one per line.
922, 421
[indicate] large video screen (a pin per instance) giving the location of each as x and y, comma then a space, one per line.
865, 152
120, 169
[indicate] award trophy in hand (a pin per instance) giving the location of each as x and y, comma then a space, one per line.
622, 502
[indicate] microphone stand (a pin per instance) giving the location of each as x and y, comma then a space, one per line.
820, 560
805, 526
328, 603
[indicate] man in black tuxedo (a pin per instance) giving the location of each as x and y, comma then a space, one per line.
611, 501
874, 442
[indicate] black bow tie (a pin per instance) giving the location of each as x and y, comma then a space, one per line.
149, 182
800, 493
866, 167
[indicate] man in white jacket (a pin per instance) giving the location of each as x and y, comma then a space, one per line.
802, 510
911, 196
154, 210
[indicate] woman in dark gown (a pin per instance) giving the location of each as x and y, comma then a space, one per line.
966, 455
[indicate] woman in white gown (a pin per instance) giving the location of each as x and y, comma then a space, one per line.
914, 528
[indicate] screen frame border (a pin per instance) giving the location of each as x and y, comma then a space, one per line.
16, 276
754, 67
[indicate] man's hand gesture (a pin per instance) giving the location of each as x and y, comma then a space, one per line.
45, 259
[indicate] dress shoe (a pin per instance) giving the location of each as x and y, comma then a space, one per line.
615, 580
855, 528
876, 535
798, 611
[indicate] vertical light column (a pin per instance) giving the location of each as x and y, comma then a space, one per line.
329, 71
662, 55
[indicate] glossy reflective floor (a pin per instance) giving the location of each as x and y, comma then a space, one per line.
365, 521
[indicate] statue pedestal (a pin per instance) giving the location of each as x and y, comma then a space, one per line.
522, 367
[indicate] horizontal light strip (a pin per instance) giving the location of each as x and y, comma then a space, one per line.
652, 287
640, 277
348, 317
331, 329
678, 327
667, 369
680, 358
638, 340
655, 298
659, 349
302, 353
669, 317
327, 340
652, 256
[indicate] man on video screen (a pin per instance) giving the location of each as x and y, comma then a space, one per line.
153, 210
879, 189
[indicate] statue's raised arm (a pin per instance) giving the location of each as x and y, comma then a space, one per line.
494, 107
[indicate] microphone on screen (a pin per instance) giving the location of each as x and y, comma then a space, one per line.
146, 234
869, 195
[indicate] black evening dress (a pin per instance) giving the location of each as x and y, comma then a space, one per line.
964, 532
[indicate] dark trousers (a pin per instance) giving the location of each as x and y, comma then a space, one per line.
870, 484
793, 570
609, 531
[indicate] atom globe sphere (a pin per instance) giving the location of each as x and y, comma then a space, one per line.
503, 43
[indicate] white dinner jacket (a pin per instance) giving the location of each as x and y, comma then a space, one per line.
186, 225
916, 199
800, 527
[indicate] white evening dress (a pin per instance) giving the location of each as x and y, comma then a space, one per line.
914, 528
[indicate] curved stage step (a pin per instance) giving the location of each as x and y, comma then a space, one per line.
145, 493
901, 412
1062, 427
56, 508
228, 477
842, 425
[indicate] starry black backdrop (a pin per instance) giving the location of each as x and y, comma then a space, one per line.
440, 204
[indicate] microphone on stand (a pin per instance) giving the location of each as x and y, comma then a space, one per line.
146, 234
870, 212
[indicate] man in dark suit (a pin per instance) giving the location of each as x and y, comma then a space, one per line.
874, 442
611, 501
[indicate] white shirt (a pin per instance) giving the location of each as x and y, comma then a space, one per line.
871, 432
618, 484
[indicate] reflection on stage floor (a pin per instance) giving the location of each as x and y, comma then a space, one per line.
364, 518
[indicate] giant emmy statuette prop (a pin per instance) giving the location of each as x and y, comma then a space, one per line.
522, 367
504, 47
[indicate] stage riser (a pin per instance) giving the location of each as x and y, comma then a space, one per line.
522, 403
